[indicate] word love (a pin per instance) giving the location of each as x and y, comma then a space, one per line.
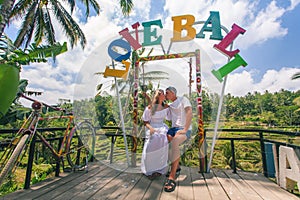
182, 24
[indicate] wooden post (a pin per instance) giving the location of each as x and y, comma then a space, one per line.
233, 155
202, 147
57, 167
263, 154
29, 163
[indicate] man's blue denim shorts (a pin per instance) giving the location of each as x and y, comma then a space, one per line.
172, 131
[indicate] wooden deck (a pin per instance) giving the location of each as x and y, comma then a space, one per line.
102, 182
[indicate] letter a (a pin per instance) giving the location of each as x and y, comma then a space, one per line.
215, 28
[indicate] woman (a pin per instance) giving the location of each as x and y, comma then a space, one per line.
155, 151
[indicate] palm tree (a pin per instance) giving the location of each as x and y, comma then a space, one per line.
38, 22
5, 10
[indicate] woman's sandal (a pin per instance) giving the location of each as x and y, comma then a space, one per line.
170, 185
154, 175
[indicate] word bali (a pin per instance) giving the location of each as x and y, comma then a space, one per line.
212, 24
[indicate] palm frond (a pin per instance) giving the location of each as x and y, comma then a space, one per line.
21, 8
39, 53
27, 28
71, 4
6, 45
126, 6
71, 28
50, 34
296, 76
95, 6
39, 32
22, 86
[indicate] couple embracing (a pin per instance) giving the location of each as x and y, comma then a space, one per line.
156, 153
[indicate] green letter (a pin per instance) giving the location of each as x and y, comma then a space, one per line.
148, 33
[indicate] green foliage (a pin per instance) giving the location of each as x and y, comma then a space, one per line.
126, 6
41, 172
9, 54
9, 78
278, 109
9, 186
104, 110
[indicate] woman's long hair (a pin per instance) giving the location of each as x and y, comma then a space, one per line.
155, 101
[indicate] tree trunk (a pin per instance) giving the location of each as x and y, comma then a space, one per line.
5, 11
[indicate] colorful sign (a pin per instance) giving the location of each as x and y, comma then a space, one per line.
181, 23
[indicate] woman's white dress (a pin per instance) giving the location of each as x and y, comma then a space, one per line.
155, 151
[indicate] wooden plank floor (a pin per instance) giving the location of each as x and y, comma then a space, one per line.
102, 182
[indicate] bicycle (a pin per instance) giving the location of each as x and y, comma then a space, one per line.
77, 144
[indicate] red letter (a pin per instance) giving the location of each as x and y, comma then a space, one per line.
133, 42
228, 39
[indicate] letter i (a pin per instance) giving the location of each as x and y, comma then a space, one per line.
229, 67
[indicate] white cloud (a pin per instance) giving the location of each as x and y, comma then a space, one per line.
272, 81
266, 25
262, 24
294, 3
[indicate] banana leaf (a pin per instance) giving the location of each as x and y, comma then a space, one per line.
9, 81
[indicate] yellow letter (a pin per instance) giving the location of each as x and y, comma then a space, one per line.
178, 27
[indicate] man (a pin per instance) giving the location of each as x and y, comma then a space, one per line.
181, 117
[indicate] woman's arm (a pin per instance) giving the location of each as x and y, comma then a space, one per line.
147, 97
151, 129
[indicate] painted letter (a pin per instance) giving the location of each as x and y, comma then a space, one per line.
215, 27
148, 33
115, 55
133, 42
228, 39
117, 72
178, 27
289, 168
229, 67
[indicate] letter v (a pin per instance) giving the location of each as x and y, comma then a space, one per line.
133, 42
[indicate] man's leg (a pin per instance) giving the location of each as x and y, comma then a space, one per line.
177, 140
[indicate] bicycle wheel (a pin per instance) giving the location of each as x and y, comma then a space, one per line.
87, 134
81, 145
13, 158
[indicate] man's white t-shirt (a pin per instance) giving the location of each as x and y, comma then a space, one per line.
178, 116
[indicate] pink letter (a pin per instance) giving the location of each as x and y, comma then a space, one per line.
228, 39
133, 42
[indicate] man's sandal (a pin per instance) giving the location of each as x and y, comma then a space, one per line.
170, 185
177, 172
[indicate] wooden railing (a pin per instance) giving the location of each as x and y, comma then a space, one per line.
260, 135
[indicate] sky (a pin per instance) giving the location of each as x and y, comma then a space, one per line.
270, 46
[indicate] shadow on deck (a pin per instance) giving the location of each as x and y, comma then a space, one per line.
103, 182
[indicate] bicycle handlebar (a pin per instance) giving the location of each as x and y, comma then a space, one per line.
37, 104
